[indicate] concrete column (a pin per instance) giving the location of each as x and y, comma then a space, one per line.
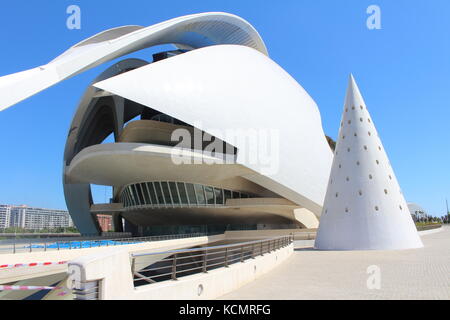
117, 223
119, 107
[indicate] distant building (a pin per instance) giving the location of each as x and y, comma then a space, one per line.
5, 214
417, 212
33, 218
105, 222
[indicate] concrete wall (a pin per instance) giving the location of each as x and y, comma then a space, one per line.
299, 234
431, 231
112, 268
16, 274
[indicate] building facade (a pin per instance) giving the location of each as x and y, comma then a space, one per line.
105, 222
30, 218
198, 140
5, 216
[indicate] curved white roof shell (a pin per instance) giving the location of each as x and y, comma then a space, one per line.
227, 83
364, 207
228, 88
187, 32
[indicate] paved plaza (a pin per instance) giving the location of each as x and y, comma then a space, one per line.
312, 274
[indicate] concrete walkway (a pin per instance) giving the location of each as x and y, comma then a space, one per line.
311, 274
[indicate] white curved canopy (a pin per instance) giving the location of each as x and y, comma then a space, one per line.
227, 89
188, 32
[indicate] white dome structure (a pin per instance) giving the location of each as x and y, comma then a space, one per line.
364, 207
220, 87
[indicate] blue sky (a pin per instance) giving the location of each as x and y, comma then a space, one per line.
403, 71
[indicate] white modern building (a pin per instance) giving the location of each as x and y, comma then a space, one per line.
198, 143
249, 168
5, 216
33, 218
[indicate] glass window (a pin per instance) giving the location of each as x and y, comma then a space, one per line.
183, 194
159, 194
191, 194
146, 195
130, 199
200, 195
151, 191
134, 194
227, 194
174, 192
166, 192
219, 196
209, 192
140, 194
129, 196
124, 198
177, 193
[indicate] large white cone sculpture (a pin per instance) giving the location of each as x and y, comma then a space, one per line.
364, 207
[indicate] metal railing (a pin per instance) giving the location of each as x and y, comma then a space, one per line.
30, 245
305, 235
180, 263
87, 291
37, 235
